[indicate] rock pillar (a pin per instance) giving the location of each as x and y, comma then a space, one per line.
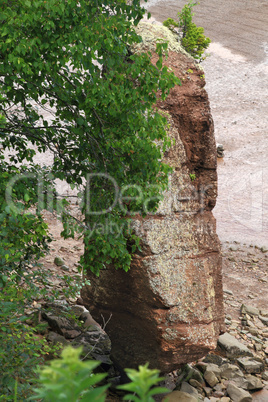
168, 309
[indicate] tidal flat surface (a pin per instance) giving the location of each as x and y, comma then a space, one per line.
236, 72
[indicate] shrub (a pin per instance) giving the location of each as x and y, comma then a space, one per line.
70, 379
192, 38
21, 349
171, 24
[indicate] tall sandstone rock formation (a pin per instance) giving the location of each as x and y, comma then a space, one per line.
168, 309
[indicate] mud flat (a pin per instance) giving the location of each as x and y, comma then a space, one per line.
237, 83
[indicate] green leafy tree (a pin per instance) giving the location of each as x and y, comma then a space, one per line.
70, 84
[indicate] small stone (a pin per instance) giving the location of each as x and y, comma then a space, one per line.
232, 347
58, 261
256, 339
185, 387
250, 365
56, 338
265, 333
228, 292
65, 268
210, 378
201, 366
225, 399
249, 310
218, 394
208, 391
195, 384
186, 373
264, 249
78, 310
258, 347
264, 375
253, 382
214, 359
264, 320
253, 331
233, 304
264, 313
66, 327
218, 388
176, 396
229, 371
220, 147
238, 394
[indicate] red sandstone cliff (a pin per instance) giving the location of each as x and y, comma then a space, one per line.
168, 309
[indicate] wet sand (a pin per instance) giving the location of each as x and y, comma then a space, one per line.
237, 83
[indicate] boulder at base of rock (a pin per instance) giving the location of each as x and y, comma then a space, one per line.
211, 378
179, 396
232, 347
185, 387
237, 394
250, 365
250, 310
253, 382
168, 308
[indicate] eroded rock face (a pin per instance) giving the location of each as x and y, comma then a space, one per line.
168, 309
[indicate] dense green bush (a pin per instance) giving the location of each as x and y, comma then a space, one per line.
192, 38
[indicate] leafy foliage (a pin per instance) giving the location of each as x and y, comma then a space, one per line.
171, 24
70, 84
21, 348
23, 237
70, 379
192, 38
143, 385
